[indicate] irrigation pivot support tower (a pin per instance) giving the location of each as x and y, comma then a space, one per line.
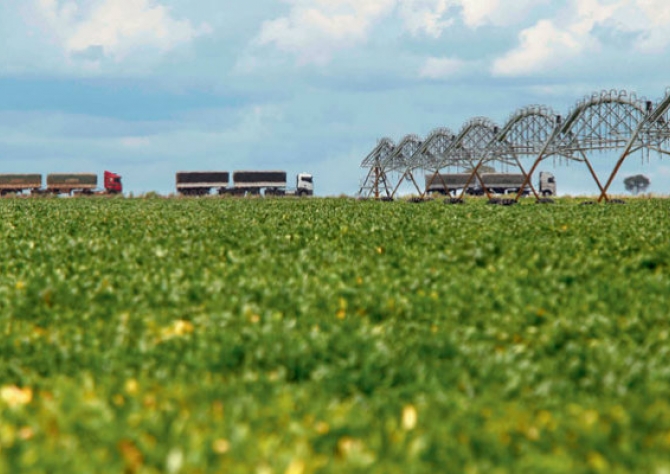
376, 180
401, 158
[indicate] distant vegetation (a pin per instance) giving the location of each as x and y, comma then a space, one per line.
636, 184
330, 335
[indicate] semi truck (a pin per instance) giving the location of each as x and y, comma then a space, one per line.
496, 183
268, 183
60, 183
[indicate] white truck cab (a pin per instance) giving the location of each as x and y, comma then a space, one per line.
547, 184
304, 184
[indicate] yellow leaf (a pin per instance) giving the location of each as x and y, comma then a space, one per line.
409, 417
590, 417
131, 455
322, 428
343, 303
26, 433
597, 461
533, 433
297, 466
221, 446
182, 327
15, 396
131, 386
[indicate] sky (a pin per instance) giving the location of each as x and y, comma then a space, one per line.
146, 88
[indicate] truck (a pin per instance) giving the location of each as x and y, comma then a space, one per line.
60, 183
272, 183
496, 183
268, 183
82, 183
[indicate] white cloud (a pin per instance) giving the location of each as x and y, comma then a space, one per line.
550, 43
542, 46
479, 12
441, 68
92, 30
590, 13
425, 16
547, 45
657, 36
314, 30
432, 17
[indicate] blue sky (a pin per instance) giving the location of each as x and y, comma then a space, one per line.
150, 87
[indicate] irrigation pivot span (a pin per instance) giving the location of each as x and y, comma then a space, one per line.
614, 121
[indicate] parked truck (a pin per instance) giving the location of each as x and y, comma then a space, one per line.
268, 183
496, 183
60, 183
271, 183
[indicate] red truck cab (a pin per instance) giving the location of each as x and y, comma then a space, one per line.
113, 183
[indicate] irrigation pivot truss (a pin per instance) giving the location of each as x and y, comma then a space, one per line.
604, 121
376, 180
426, 156
651, 134
464, 149
523, 136
612, 121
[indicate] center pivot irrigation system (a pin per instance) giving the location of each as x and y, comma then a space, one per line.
612, 123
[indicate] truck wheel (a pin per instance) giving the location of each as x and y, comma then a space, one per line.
546, 193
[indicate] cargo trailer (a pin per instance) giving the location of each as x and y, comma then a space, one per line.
200, 183
17, 183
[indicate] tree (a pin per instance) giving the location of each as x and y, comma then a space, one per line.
636, 184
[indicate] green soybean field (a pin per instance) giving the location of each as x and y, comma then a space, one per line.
333, 335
